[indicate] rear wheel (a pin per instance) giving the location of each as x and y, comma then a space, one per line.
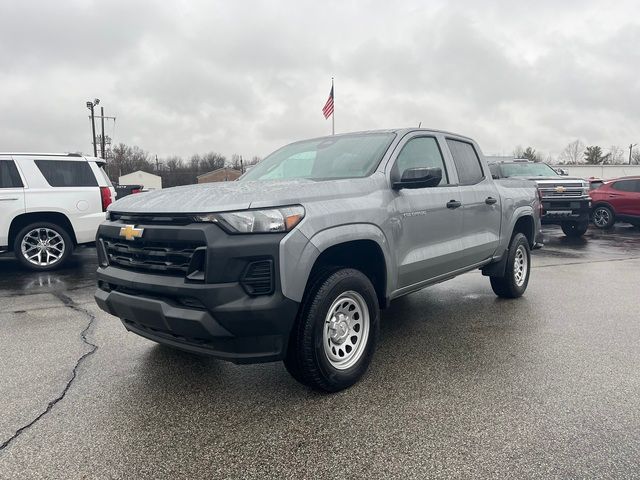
516, 277
603, 217
42, 246
333, 341
574, 229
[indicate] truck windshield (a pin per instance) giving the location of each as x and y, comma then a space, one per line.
343, 156
527, 170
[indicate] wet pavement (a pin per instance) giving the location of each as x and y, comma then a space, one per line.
463, 384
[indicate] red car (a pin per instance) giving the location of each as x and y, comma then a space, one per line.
616, 200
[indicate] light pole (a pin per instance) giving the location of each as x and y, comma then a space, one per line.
90, 106
631, 145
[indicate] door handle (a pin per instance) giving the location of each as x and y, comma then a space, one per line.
490, 201
7, 199
453, 204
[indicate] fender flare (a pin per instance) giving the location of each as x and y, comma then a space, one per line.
295, 274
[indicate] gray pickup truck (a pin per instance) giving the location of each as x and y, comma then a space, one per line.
295, 260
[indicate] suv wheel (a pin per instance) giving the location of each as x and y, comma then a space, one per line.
516, 278
333, 341
42, 246
603, 217
574, 229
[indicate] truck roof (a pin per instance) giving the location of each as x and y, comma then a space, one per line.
399, 131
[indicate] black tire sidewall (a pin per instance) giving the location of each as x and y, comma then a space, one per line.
327, 292
612, 219
68, 246
518, 240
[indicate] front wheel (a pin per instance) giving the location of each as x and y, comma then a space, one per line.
334, 338
574, 229
516, 277
42, 246
603, 217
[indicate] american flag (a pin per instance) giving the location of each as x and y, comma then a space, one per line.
327, 110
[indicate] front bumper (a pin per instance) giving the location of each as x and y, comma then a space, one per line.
215, 315
557, 211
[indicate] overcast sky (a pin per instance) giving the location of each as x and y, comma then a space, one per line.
246, 77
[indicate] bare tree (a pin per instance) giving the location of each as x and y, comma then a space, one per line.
518, 152
635, 158
572, 153
615, 155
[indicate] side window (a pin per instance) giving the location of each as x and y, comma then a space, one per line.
9, 176
624, 186
67, 173
422, 152
466, 161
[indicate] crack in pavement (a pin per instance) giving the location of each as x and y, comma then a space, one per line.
68, 302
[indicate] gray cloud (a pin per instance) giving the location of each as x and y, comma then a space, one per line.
248, 76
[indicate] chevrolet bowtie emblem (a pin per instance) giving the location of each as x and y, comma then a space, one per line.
560, 189
129, 232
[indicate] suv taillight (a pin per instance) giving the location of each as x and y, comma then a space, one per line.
105, 195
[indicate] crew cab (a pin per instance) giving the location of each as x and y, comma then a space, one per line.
565, 200
50, 203
295, 260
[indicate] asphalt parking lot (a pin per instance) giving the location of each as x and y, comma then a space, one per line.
463, 385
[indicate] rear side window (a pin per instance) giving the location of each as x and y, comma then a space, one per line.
625, 186
467, 162
67, 173
105, 176
9, 176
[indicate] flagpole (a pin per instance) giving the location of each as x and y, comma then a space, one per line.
333, 115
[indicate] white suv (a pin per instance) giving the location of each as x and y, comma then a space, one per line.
49, 203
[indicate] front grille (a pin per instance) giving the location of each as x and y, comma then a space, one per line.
161, 257
258, 278
549, 190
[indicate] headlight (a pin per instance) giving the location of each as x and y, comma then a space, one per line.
257, 221
585, 189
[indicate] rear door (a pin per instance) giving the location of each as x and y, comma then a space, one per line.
428, 231
11, 197
481, 204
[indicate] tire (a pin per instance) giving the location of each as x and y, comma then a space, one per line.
43, 246
333, 341
574, 229
514, 282
603, 217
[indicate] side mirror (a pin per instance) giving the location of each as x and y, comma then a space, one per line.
419, 178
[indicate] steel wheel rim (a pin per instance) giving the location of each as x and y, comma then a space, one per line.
42, 247
520, 266
601, 217
346, 330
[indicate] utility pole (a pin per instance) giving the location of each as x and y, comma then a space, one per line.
241, 165
157, 164
631, 145
102, 152
90, 106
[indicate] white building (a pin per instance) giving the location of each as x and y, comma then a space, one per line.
149, 181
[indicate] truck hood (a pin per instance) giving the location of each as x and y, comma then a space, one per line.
559, 179
228, 196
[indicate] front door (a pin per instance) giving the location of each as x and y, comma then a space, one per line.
429, 222
11, 197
